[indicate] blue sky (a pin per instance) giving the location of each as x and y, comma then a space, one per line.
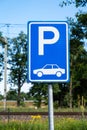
21, 11
15, 12
18, 12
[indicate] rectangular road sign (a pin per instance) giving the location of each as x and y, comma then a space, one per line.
48, 51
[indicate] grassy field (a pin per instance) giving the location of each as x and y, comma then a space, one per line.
37, 123
30, 107
27, 109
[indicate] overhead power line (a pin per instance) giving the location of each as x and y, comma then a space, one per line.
12, 30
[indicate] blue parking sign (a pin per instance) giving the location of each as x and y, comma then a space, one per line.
48, 51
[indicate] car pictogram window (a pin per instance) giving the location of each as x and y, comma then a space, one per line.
48, 67
55, 67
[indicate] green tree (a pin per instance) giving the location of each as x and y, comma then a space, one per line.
77, 52
81, 67
77, 3
39, 92
1, 96
78, 36
12, 94
59, 93
18, 58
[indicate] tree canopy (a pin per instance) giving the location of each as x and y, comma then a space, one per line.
18, 61
77, 3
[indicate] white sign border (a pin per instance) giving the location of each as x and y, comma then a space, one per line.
29, 51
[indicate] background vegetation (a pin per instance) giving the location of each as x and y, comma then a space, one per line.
72, 94
37, 123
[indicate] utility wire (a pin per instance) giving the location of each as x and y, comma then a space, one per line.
12, 30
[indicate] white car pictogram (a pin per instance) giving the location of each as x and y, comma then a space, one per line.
49, 69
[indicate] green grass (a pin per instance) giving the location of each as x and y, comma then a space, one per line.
23, 109
28, 109
42, 124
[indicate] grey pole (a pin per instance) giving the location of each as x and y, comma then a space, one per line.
50, 107
5, 76
4, 41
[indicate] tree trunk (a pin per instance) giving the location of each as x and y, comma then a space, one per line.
18, 99
19, 91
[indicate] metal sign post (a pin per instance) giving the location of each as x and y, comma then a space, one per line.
50, 107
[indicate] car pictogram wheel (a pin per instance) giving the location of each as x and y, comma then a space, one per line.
39, 74
58, 74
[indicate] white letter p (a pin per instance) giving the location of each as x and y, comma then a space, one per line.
43, 41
